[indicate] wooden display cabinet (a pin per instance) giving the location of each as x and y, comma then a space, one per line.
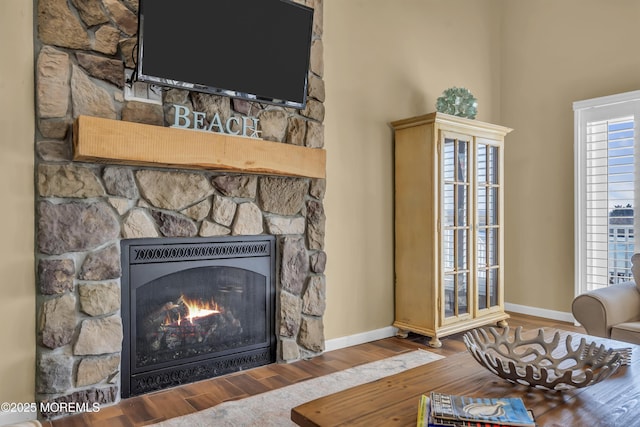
449, 225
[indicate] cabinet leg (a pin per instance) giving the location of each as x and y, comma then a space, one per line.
502, 324
402, 333
435, 342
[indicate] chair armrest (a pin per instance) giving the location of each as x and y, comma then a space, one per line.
599, 310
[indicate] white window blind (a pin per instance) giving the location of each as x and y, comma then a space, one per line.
606, 186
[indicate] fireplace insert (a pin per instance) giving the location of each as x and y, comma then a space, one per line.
195, 308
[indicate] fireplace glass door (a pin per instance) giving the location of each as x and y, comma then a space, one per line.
199, 311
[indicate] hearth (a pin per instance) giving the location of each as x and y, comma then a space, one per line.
195, 308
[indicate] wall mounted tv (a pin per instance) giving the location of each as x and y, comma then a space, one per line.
252, 49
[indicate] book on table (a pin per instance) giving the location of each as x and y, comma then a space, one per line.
440, 410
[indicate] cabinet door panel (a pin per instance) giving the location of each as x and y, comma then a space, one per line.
463, 293
482, 205
492, 247
449, 287
449, 205
481, 283
448, 249
461, 250
488, 232
456, 230
462, 207
492, 205
493, 286
456, 294
449, 160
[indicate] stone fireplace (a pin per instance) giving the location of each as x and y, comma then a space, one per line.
85, 210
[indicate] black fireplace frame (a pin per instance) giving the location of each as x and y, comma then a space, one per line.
212, 252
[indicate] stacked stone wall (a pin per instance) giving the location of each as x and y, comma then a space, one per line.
83, 210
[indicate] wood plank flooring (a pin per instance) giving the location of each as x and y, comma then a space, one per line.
162, 405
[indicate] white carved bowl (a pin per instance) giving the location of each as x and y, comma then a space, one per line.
555, 364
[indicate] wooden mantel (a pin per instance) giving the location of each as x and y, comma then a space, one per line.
114, 141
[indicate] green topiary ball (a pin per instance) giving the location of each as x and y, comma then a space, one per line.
458, 101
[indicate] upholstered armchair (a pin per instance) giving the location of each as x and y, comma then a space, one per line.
612, 312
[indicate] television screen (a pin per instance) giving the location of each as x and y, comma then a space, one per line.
252, 49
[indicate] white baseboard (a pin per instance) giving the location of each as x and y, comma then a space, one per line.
361, 338
540, 312
18, 419
389, 331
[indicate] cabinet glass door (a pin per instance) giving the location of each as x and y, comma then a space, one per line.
455, 227
488, 237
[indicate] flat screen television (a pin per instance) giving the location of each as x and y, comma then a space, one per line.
252, 49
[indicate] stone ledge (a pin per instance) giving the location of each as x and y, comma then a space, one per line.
114, 141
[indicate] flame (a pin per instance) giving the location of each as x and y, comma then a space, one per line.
195, 309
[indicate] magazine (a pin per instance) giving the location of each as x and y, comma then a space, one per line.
453, 410
423, 412
425, 419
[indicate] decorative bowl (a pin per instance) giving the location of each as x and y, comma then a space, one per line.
555, 364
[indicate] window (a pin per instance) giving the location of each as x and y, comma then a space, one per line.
607, 163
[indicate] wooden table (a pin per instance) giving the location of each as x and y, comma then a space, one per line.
393, 400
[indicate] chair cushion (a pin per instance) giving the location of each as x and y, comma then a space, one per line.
628, 332
635, 269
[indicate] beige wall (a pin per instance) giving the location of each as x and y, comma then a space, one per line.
554, 53
17, 305
386, 60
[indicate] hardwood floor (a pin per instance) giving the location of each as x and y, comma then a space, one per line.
159, 406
